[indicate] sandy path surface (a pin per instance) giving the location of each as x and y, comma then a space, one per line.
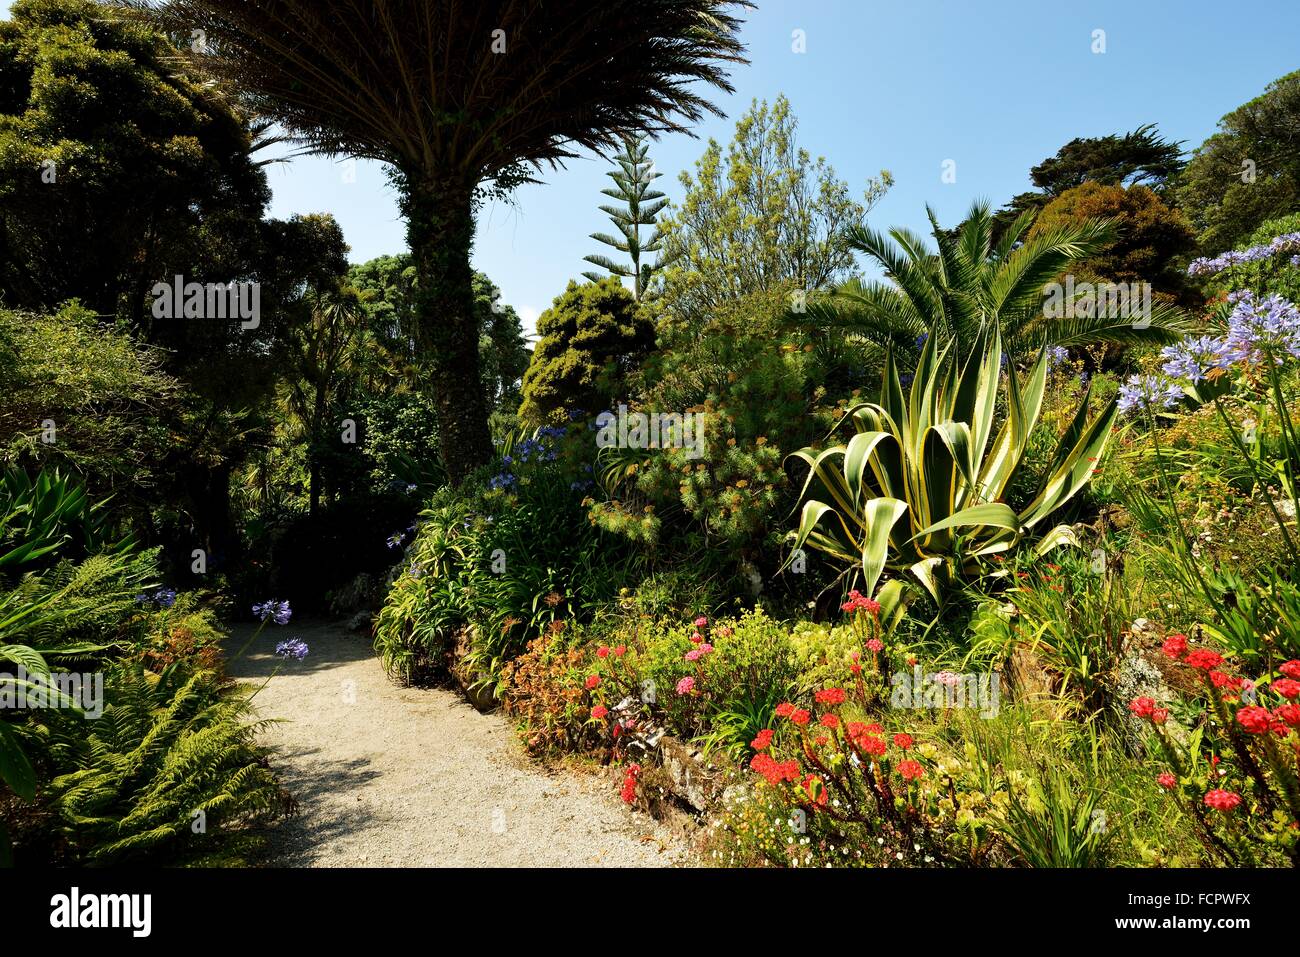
404, 777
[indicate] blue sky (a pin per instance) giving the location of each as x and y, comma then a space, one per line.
995, 86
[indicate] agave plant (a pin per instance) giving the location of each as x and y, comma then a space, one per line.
969, 282
919, 489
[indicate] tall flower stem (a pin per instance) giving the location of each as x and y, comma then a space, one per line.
1259, 478
1173, 507
1288, 432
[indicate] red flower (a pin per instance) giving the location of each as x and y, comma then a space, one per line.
1223, 801
800, 717
1204, 659
773, 771
599, 711
874, 728
620, 651
1175, 646
870, 744
910, 770
602, 652
875, 645
855, 668
1142, 707
902, 741
1159, 715
858, 602
762, 740
1291, 669
629, 783
1166, 781
592, 681
1289, 713
830, 721
784, 709
1287, 688
1254, 719
830, 696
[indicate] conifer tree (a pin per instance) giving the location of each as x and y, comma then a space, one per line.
641, 206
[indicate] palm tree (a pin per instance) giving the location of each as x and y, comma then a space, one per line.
462, 100
641, 207
970, 280
321, 353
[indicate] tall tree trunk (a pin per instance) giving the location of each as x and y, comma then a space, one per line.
440, 231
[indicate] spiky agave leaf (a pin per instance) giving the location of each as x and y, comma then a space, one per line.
930, 456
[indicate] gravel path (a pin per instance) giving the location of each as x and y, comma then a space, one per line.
404, 777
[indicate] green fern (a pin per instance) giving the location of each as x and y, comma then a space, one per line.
169, 750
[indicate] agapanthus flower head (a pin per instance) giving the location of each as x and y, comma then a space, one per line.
1143, 392
1279, 245
1056, 355
272, 610
1262, 329
162, 597
294, 648
1196, 357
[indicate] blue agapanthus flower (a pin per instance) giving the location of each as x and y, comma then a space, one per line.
1143, 392
162, 597
1056, 355
272, 610
395, 540
294, 648
1262, 328
1278, 245
1195, 357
